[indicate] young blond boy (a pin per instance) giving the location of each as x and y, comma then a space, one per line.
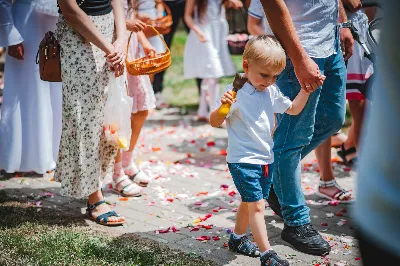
249, 124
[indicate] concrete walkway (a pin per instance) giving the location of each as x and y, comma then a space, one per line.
193, 197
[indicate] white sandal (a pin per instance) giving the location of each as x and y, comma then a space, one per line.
340, 196
130, 190
140, 177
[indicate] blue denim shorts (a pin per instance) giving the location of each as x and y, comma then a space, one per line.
251, 180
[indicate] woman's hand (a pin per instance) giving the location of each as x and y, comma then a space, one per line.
201, 36
144, 17
117, 57
16, 51
135, 25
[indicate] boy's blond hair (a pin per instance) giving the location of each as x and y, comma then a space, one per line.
266, 50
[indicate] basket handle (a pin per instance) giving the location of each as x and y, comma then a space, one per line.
156, 31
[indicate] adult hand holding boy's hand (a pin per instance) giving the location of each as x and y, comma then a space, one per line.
308, 74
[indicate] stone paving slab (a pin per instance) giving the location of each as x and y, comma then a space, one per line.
191, 182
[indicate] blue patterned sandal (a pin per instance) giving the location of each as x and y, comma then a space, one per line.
272, 259
102, 218
243, 246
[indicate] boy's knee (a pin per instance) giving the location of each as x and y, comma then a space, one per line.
258, 206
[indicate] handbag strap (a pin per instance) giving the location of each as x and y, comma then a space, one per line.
234, 20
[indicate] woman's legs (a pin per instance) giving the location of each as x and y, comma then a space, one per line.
103, 208
323, 154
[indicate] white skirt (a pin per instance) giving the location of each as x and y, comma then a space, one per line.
30, 125
212, 58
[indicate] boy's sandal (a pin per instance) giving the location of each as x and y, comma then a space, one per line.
271, 258
130, 190
139, 178
342, 195
343, 153
244, 246
102, 218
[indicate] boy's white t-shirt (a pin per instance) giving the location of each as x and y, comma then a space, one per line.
250, 122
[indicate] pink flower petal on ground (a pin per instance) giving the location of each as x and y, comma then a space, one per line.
232, 193
234, 209
203, 238
324, 224
224, 186
174, 229
211, 143
215, 210
333, 203
198, 203
150, 203
216, 238
194, 229
357, 258
163, 231
208, 227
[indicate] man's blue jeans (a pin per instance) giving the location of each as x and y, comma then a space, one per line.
296, 136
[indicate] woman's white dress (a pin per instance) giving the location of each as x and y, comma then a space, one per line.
30, 125
212, 58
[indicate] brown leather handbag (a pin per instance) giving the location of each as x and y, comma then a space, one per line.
48, 58
49, 55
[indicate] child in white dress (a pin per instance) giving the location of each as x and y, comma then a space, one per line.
127, 177
206, 54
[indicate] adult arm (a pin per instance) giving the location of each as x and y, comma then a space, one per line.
281, 24
352, 5
188, 17
9, 35
346, 38
254, 25
81, 23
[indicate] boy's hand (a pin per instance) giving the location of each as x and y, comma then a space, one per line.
228, 98
319, 83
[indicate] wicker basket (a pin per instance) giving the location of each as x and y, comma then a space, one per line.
147, 65
236, 47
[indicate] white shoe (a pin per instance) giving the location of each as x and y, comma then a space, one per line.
130, 190
140, 177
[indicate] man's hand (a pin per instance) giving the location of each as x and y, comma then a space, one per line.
16, 51
352, 5
346, 42
308, 74
235, 4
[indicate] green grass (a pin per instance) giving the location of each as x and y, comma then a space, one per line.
40, 236
183, 92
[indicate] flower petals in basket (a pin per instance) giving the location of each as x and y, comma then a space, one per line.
237, 42
148, 65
